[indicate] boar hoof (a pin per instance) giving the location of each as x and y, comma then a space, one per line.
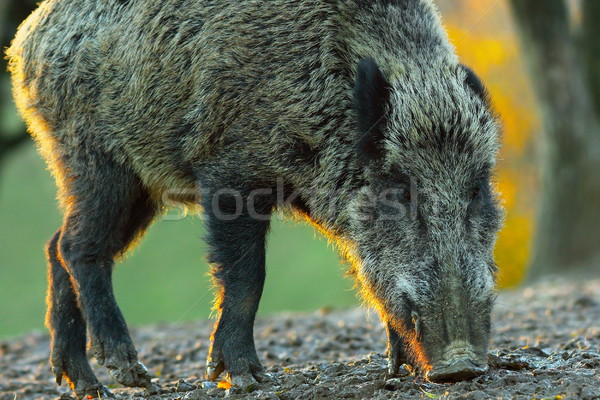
97, 391
245, 381
72, 365
397, 369
243, 369
248, 382
397, 365
265, 377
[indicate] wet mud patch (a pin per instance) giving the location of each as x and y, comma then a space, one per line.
546, 346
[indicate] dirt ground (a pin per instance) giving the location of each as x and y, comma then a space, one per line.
546, 346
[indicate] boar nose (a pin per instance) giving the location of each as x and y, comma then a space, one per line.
457, 371
460, 362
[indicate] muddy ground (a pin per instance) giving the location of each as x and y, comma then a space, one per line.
546, 346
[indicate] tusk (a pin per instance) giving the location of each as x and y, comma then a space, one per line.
416, 323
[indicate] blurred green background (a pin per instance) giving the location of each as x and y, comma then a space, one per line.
165, 278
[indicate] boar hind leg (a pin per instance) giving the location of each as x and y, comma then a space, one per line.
106, 208
67, 331
237, 256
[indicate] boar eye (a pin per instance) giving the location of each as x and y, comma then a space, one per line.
475, 192
404, 194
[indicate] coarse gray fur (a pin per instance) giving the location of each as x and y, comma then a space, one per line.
247, 94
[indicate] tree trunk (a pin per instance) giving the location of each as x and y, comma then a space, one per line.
567, 234
590, 47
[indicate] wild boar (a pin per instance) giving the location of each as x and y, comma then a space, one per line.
357, 113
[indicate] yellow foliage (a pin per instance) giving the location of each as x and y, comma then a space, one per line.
486, 41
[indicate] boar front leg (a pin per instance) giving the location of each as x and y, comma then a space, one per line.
236, 236
396, 350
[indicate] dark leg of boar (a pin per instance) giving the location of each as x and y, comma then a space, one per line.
396, 349
106, 208
237, 256
67, 330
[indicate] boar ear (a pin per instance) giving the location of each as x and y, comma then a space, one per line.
474, 83
371, 98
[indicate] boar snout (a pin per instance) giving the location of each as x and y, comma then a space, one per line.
459, 363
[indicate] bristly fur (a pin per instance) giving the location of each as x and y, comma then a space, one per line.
130, 100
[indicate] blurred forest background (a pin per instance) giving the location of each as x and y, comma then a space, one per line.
506, 42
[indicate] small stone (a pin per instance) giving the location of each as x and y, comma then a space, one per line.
584, 302
393, 384
183, 386
477, 395
207, 385
196, 395
293, 381
152, 388
588, 393
536, 351
321, 392
214, 392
